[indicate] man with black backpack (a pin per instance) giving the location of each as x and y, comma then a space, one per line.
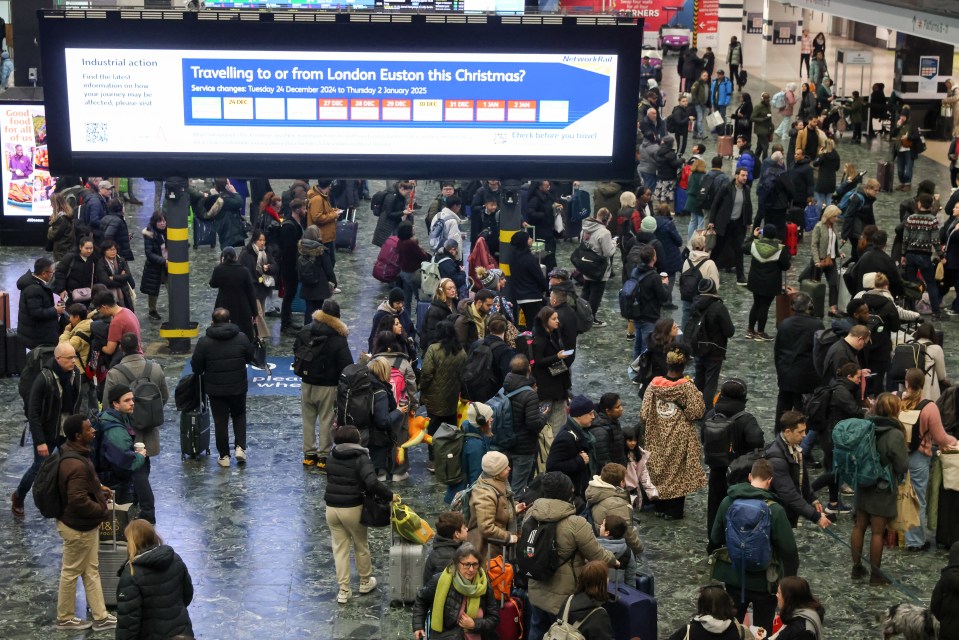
148, 383
54, 395
320, 353
528, 421
708, 332
488, 362
754, 529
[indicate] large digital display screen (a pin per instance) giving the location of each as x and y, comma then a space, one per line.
521, 101
27, 183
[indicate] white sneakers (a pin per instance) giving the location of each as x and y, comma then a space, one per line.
224, 461
367, 585
344, 596
240, 455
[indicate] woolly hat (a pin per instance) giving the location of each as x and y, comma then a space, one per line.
396, 295
477, 411
519, 240
489, 278
556, 485
494, 463
648, 224
706, 285
117, 392
580, 406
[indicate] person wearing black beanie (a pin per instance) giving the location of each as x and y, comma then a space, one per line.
527, 280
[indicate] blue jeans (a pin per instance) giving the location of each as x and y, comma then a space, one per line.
649, 180
823, 200
809, 442
409, 290
696, 221
540, 622
699, 129
687, 311
904, 162
522, 472
26, 482
919, 475
922, 262
643, 330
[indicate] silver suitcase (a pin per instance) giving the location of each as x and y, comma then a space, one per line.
406, 570
112, 556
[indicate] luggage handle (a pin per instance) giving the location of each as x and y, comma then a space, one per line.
505, 543
113, 523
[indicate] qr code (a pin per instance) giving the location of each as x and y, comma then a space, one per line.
98, 132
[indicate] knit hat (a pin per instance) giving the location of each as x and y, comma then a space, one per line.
117, 392
580, 406
869, 280
706, 285
556, 485
649, 224
734, 388
489, 278
477, 412
519, 240
769, 232
494, 463
396, 295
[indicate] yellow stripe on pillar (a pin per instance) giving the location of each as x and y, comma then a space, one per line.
181, 234
504, 237
178, 268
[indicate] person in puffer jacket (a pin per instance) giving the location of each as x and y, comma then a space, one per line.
769, 261
155, 588
606, 495
608, 442
715, 330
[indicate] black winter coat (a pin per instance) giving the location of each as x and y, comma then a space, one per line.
716, 329
437, 312
722, 209
945, 597
235, 294
336, 354
874, 260
394, 205
440, 557
668, 163
350, 476
486, 626
609, 443
598, 626
839, 354
385, 413
766, 267
37, 321
879, 349
844, 402
652, 295
859, 214
829, 164
221, 356
248, 259
792, 351
155, 267
152, 601
564, 455
121, 279
796, 628
73, 272
315, 271
528, 420
545, 348
290, 234
45, 405
114, 227
745, 435
526, 276
631, 249
696, 631
803, 181
539, 213
94, 209
796, 499
568, 332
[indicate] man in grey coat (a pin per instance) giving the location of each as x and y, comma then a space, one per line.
132, 367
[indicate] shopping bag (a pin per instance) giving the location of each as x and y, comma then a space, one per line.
715, 119
410, 526
950, 470
907, 516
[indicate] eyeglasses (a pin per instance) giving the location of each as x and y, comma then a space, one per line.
470, 565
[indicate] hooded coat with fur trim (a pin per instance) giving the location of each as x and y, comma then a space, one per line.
669, 410
769, 261
336, 356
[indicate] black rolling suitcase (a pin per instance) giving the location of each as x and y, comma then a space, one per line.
195, 431
16, 353
884, 174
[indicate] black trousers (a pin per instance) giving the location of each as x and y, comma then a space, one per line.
139, 490
827, 479
759, 312
290, 282
764, 605
717, 489
762, 146
671, 508
787, 401
593, 291
530, 309
223, 409
804, 58
707, 378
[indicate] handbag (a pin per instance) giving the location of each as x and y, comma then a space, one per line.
557, 368
81, 294
940, 271
950, 470
559, 225
907, 515
826, 262
259, 353
715, 119
376, 511
589, 262
410, 526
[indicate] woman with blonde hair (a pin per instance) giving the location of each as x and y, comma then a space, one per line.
670, 409
826, 255
876, 506
61, 233
389, 420
155, 588
829, 164
443, 304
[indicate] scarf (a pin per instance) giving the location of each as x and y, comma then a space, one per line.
471, 592
796, 453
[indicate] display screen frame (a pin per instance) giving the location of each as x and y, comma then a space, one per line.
59, 32
17, 226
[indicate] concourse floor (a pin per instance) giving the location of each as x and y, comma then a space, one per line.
256, 540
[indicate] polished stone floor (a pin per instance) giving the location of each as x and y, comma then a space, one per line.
255, 538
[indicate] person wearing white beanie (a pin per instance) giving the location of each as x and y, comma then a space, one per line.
492, 510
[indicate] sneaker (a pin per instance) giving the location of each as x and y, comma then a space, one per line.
110, 622
764, 337
16, 505
940, 317
337, 290
599, 323
367, 585
859, 572
381, 476
309, 459
76, 624
321, 464
240, 455
430, 466
846, 490
398, 477
344, 596
952, 312
920, 548
741, 283
224, 461
751, 335
155, 316
630, 336
878, 580
837, 507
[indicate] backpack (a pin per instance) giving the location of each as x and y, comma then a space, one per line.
309, 353
748, 537
438, 233
908, 355
630, 303
504, 435
46, 485
855, 457
537, 557
377, 201
354, 397
845, 200
743, 77
148, 401
811, 214
479, 379
741, 467
910, 421
430, 277
32, 368
823, 339
817, 408
709, 187
778, 101
398, 384
387, 266
563, 630
188, 395
689, 281
684, 176
461, 502
693, 330
448, 444
718, 439
767, 182
584, 313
